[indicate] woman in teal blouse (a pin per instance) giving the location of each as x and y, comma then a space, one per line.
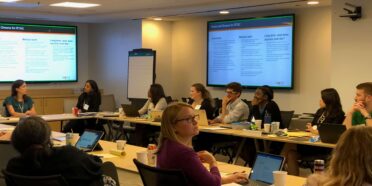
19, 104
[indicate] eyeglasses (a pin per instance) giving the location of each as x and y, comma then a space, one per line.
190, 119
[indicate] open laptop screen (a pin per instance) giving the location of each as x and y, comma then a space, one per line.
264, 166
88, 140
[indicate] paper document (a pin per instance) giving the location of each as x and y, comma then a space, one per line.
298, 134
104, 155
214, 128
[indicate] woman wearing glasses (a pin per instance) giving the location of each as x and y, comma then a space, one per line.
178, 127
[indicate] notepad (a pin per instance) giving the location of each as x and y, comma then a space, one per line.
299, 134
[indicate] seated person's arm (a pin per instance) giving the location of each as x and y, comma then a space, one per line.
234, 115
143, 110
12, 112
310, 128
349, 117
32, 111
225, 102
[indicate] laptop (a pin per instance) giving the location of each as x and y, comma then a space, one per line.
329, 133
203, 120
130, 110
263, 167
88, 141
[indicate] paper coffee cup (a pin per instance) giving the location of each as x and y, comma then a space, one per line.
142, 157
120, 144
267, 127
279, 178
258, 123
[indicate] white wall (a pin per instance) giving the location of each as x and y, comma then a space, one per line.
158, 35
109, 45
351, 50
312, 58
82, 57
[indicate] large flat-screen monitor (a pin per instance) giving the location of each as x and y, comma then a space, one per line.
38, 53
252, 51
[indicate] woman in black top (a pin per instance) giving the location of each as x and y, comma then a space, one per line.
38, 157
89, 101
330, 111
201, 99
263, 105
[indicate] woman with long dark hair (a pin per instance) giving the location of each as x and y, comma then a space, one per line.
330, 111
38, 157
156, 99
19, 104
88, 101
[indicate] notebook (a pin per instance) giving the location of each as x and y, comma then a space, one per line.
88, 141
329, 133
130, 110
263, 167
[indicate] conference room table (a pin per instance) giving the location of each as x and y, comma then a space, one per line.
125, 162
299, 137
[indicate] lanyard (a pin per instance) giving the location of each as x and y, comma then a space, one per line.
21, 106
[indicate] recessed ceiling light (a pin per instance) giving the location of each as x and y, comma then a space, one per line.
313, 2
157, 18
224, 12
9, 1
75, 5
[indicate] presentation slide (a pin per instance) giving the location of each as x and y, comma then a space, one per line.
38, 53
253, 52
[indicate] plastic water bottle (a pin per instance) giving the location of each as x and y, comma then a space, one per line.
267, 117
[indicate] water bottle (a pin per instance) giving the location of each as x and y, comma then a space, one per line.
267, 117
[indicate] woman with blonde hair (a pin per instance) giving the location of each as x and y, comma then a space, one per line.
351, 161
178, 126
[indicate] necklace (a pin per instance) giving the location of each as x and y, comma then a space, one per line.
21, 106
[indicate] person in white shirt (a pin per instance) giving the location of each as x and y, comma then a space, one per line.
156, 101
233, 108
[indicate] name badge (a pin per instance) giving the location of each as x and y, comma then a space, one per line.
86, 107
197, 107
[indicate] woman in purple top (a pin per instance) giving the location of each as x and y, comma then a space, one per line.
178, 126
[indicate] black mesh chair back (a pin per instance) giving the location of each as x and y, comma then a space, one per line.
12, 179
217, 107
152, 176
286, 118
169, 99
249, 103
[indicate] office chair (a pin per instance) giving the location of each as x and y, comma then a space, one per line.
12, 179
286, 118
152, 176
